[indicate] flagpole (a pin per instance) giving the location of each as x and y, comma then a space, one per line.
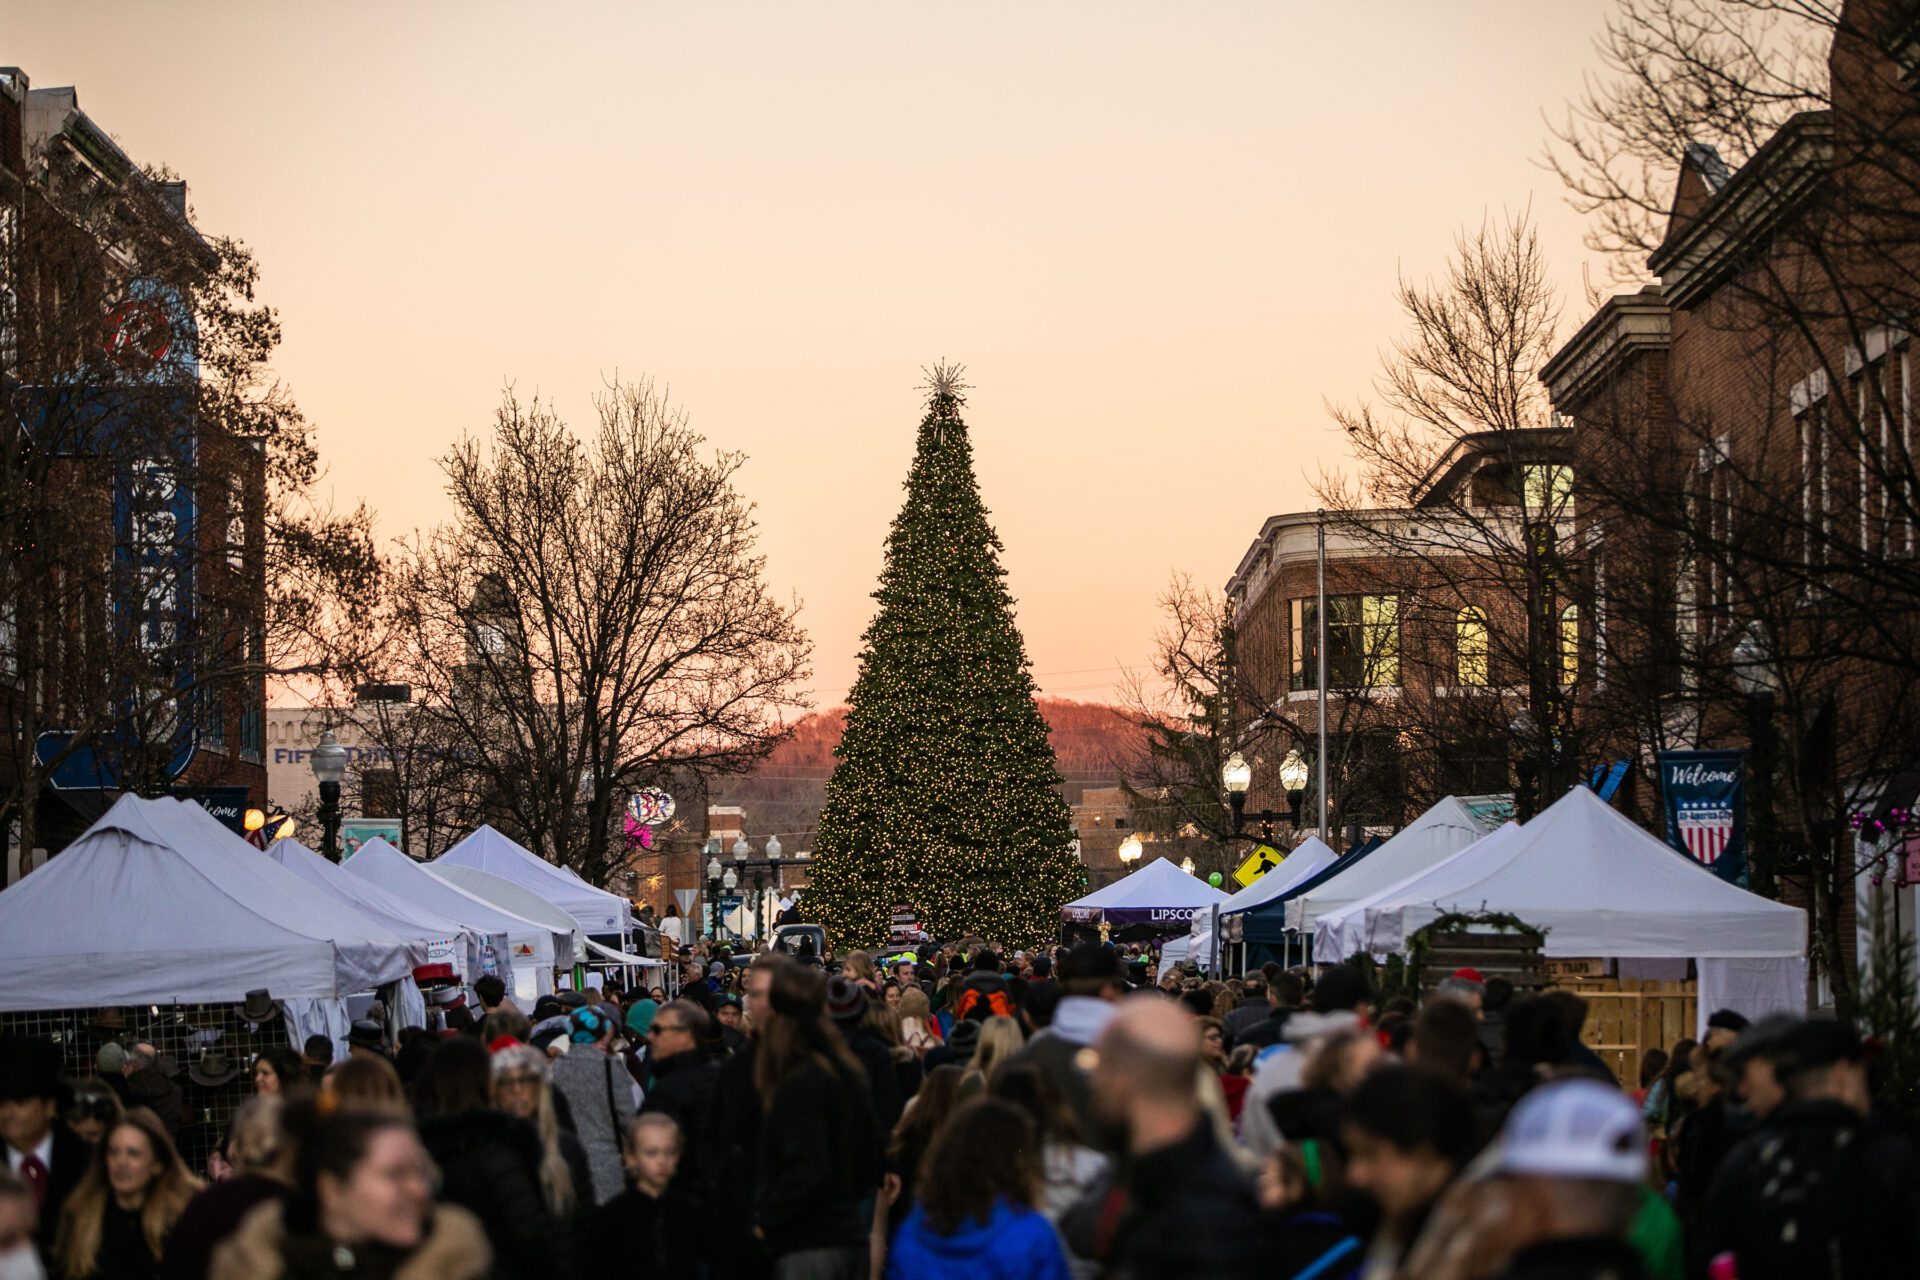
1320, 658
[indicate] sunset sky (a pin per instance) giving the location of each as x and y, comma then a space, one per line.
1159, 235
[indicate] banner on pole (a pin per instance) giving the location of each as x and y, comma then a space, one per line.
1704, 796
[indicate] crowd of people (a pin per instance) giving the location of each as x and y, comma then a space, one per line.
967, 1112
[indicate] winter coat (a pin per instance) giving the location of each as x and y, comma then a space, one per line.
671, 1237
883, 1082
1818, 1191
682, 1089
454, 1248
1245, 1016
150, 1088
212, 1217
1313, 1242
594, 1082
123, 1252
819, 1163
1277, 1070
1184, 1209
490, 1166
1015, 1243
1055, 1053
1599, 1258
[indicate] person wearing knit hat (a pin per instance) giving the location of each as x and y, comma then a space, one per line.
1723, 1028
640, 1017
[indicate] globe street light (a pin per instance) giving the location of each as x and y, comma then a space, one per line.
1758, 680
1131, 848
713, 897
1186, 865
329, 763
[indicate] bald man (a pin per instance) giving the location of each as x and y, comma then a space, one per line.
1183, 1207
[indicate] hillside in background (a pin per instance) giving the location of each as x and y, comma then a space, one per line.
1093, 743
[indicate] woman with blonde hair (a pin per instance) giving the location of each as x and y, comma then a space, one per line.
261, 1159
1000, 1039
116, 1223
859, 966
366, 1083
918, 1031
522, 1087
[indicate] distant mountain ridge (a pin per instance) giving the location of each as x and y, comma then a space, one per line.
1092, 741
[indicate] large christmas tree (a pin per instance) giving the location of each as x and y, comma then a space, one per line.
944, 798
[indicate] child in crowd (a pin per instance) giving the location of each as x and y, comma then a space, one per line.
663, 1229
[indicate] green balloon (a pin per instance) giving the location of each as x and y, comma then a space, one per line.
1214, 878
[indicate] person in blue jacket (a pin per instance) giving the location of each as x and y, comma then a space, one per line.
977, 1217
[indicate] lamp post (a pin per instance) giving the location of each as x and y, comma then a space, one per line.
1130, 850
329, 762
1757, 679
713, 897
1236, 776
729, 882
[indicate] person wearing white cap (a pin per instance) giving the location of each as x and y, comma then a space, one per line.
1556, 1196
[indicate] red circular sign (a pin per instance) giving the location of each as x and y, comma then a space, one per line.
139, 335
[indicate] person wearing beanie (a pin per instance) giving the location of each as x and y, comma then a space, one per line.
600, 1096
1723, 1028
847, 1002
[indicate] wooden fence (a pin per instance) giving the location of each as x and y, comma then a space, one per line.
1627, 1018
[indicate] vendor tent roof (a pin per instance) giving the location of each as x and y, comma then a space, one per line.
1601, 886
596, 910
154, 904
522, 902
1441, 831
1156, 885
1363, 926
394, 871
396, 914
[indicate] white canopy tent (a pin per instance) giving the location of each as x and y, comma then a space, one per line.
148, 907
447, 940
1601, 886
596, 910
526, 965
1157, 894
508, 896
1339, 934
1440, 832
1308, 858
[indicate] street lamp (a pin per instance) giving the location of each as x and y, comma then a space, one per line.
329, 762
1758, 680
1186, 865
713, 897
1236, 775
1131, 848
1293, 780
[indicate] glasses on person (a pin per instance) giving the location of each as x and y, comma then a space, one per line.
506, 1082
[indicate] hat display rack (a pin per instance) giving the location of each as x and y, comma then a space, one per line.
205, 1049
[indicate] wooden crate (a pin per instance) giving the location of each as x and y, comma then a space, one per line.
1627, 1018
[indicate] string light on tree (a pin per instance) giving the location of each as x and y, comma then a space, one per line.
944, 795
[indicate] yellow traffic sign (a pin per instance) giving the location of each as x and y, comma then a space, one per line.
1263, 859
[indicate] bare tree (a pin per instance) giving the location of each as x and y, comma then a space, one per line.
594, 618
162, 551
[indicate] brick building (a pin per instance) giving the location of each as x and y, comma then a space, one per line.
1426, 640
132, 598
1750, 419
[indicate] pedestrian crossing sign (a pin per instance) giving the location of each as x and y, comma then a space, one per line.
1263, 859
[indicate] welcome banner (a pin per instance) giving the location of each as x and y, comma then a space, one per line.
1704, 794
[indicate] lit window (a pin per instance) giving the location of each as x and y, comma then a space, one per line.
1472, 643
1547, 489
1570, 644
1363, 642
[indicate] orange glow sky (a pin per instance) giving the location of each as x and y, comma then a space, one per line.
1158, 235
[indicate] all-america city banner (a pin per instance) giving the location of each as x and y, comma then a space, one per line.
1704, 795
